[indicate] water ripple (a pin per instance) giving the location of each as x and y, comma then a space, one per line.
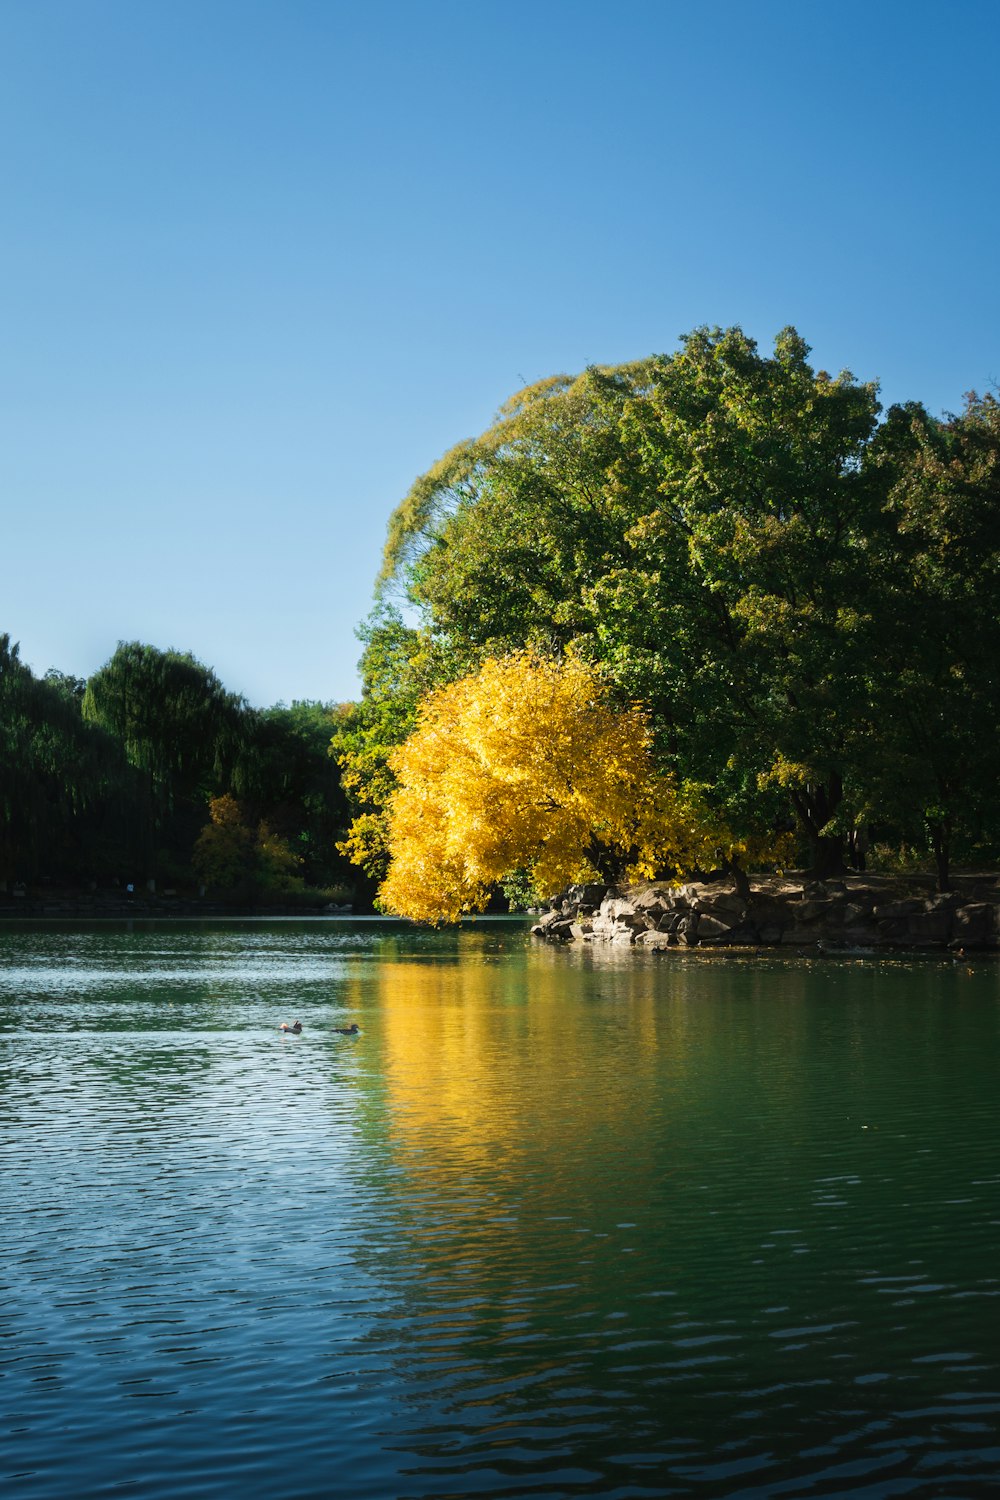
548, 1226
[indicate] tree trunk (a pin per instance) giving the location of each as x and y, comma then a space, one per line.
610, 866
858, 843
739, 877
827, 857
815, 805
942, 853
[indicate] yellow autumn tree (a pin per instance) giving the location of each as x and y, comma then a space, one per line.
229, 852
526, 764
223, 851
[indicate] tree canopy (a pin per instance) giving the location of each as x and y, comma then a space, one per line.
801, 593
68, 796
526, 764
796, 592
118, 777
171, 713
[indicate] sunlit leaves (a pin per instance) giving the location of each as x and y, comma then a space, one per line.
527, 766
695, 523
399, 664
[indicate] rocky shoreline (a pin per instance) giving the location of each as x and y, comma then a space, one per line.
794, 912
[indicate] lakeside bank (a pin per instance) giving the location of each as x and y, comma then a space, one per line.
791, 911
63, 901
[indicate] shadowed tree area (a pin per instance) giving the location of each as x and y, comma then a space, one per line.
117, 778
69, 799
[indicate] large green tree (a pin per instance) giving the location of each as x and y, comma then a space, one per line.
935, 762
172, 714
180, 729
194, 741
699, 524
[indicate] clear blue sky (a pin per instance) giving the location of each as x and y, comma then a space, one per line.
261, 263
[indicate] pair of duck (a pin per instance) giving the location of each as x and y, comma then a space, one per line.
295, 1029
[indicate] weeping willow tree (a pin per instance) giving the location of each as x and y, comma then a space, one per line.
69, 801
171, 714
193, 741
179, 728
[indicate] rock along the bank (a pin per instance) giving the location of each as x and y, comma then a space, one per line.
855, 912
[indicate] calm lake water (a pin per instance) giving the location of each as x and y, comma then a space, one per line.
554, 1224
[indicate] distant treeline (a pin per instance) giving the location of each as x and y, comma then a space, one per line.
152, 770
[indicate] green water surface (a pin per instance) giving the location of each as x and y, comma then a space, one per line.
555, 1223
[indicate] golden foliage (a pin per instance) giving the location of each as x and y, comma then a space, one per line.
277, 863
228, 851
366, 840
224, 847
526, 765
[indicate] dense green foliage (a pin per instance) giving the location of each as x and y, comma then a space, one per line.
398, 667
68, 797
172, 715
286, 778
804, 596
939, 647
115, 778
